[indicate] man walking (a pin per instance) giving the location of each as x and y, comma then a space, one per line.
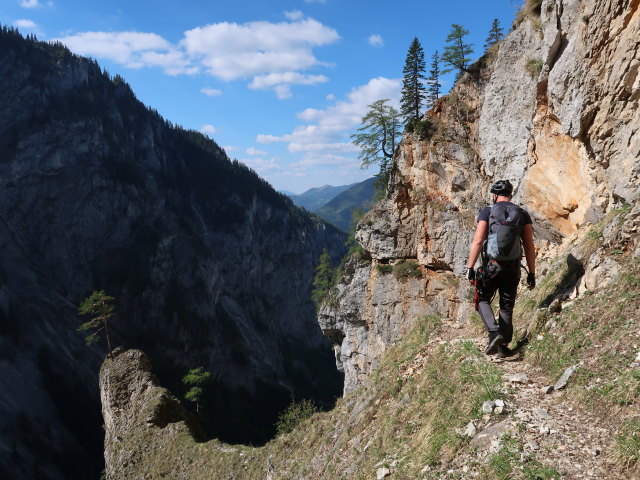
502, 230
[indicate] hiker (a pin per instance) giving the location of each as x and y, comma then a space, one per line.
501, 230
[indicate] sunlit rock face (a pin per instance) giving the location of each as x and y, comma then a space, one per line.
554, 109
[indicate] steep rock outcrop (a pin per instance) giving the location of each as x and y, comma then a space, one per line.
210, 264
553, 108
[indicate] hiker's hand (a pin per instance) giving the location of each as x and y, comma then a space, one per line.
531, 280
471, 274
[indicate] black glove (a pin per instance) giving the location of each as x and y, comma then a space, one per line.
471, 274
531, 280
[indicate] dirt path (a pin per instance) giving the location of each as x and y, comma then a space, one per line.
549, 429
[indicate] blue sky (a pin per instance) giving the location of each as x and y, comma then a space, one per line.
279, 84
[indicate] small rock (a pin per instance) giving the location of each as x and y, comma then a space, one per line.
499, 403
564, 379
533, 446
541, 413
547, 390
594, 451
519, 378
498, 410
555, 306
465, 469
487, 407
470, 430
425, 469
544, 430
382, 473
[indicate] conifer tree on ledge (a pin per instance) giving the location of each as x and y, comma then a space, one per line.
100, 307
413, 92
495, 34
456, 53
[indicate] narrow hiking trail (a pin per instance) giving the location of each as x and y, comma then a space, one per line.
548, 428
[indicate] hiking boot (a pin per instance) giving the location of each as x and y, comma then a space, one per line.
495, 342
504, 352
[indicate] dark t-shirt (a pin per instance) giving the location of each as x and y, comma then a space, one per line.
486, 212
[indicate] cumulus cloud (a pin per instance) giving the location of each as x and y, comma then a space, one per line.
30, 3
281, 82
324, 138
211, 92
271, 55
132, 49
23, 23
376, 40
232, 51
208, 129
263, 166
254, 151
294, 15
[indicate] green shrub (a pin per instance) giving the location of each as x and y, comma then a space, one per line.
534, 67
423, 128
294, 414
406, 269
384, 269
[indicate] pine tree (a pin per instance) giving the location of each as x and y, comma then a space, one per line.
433, 90
413, 92
100, 306
456, 53
378, 136
323, 281
495, 34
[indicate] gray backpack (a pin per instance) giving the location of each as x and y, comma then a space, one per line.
505, 230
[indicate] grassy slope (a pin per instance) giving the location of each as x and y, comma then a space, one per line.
434, 382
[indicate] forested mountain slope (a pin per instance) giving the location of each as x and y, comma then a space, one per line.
208, 264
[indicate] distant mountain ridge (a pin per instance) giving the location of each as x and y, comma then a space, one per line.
339, 211
337, 204
316, 197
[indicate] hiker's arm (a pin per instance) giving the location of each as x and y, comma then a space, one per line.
476, 243
529, 247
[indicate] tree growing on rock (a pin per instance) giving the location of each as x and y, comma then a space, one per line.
100, 307
413, 92
433, 90
495, 34
195, 380
324, 278
456, 53
378, 137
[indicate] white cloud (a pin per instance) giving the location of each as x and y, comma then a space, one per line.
211, 92
376, 40
294, 15
30, 3
263, 165
208, 129
232, 51
281, 82
253, 151
331, 97
231, 148
324, 138
132, 49
273, 55
25, 24
315, 1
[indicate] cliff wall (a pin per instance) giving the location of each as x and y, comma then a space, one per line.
554, 109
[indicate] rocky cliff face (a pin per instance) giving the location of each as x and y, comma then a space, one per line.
554, 109
209, 265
